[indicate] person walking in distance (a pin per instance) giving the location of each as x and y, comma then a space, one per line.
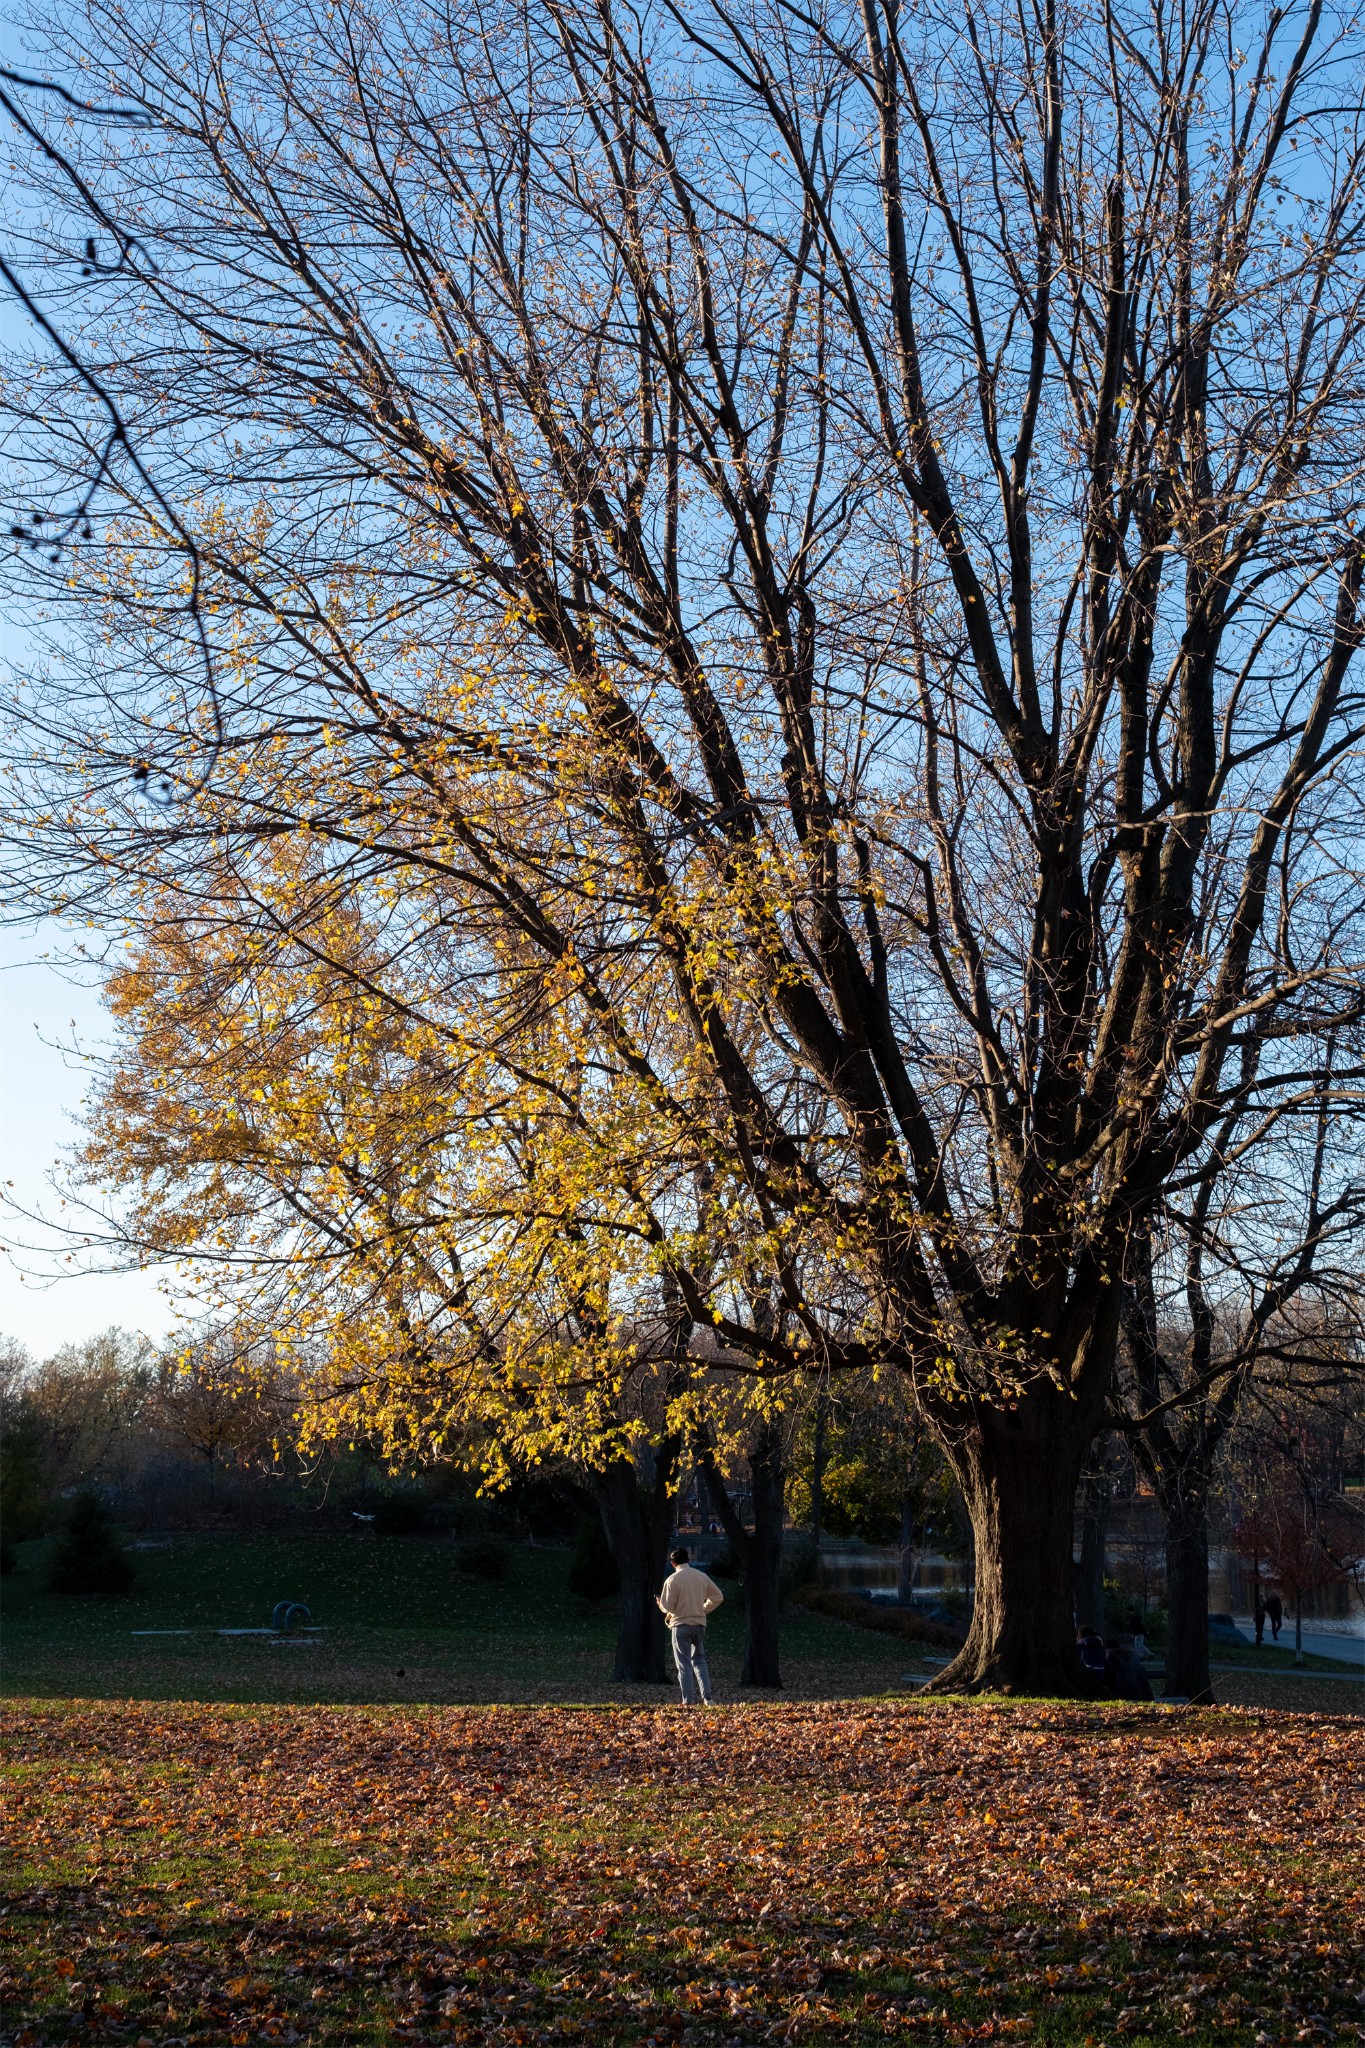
687, 1601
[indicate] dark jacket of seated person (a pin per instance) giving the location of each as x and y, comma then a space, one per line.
1124, 1672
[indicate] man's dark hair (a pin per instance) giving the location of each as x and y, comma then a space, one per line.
678, 1556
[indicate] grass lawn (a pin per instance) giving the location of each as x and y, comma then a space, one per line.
228, 1877
1267, 1677
400, 1625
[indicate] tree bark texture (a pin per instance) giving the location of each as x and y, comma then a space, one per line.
1090, 1565
1018, 1470
758, 1551
1187, 1593
763, 1567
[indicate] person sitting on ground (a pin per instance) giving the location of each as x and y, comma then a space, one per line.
1124, 1672
688, 1599
1090, 1643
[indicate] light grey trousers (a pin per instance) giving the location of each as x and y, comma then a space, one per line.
689, 1654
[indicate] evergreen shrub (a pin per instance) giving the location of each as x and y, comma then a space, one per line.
88, 1556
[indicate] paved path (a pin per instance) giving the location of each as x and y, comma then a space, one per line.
1349, 1649
1290, 1671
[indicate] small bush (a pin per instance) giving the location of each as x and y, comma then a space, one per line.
954, 1607
483, 1558
88, 1556
592, 1568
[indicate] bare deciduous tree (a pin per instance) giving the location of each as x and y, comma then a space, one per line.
824, 548
1244, 1280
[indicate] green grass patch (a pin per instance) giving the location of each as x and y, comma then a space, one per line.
400, 1623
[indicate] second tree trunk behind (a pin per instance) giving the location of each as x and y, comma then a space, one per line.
758, 1551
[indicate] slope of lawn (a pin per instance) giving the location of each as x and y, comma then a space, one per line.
218, 1877
402, 1624
399, 1622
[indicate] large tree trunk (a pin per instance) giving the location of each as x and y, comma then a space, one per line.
758, 1551
817, 1478
1090, 1567
905, 1552
1018, 1470
763, 1563
1176, 1447
637, 1524
1187, 1591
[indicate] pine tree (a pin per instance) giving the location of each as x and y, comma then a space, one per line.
89, 1556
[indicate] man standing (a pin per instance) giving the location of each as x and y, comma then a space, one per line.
687, 1600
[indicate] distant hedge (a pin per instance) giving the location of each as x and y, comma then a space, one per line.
884, 1620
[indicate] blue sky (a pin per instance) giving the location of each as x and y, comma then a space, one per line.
51, 1291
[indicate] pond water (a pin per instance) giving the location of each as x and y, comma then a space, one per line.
873, 1566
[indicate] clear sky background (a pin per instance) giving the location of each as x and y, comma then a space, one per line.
52, 1290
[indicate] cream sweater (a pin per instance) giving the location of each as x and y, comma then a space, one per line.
689, 1597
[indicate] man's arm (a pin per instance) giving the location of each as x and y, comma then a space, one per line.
712, 1598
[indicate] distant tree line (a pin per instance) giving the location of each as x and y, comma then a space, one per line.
201, 1435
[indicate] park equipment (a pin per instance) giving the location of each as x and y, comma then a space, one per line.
289, 1615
